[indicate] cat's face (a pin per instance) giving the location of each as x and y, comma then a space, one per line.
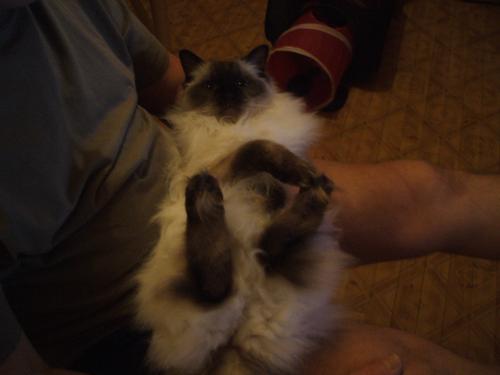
225, 89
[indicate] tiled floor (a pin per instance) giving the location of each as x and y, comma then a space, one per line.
437, 98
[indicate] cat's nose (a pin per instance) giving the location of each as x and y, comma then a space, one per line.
227, 103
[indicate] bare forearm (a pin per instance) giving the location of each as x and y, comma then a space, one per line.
26, 361
157, 97
23, 360
405, 209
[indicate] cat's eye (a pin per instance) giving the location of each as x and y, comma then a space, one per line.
209, 85
241, 83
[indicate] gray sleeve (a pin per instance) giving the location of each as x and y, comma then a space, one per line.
148, 54
10, 331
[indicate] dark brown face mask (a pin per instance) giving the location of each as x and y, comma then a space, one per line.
224, 89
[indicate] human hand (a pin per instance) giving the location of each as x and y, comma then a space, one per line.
390, 365
160, 95
358, 349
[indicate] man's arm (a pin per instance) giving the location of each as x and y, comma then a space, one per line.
17, 354
159, 95
25, 360
402, 209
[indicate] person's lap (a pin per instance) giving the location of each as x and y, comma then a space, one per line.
122, 352
386, 212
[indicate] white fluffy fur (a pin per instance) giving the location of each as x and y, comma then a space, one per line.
266, 317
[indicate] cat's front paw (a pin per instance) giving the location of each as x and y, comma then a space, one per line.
325, 183
204, 199
312, 179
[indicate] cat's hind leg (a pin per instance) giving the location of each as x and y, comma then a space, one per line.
187, 295
283, 243
208, 241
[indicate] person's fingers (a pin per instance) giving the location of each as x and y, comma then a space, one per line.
391, 365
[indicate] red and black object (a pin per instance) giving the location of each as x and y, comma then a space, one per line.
321, 48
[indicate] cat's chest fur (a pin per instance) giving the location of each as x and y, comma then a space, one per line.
205, 140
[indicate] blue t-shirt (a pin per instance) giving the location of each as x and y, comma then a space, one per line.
82, 170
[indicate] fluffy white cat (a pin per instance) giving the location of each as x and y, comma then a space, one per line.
241, 279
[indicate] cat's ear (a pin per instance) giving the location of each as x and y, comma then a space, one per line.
258, 57
189, 62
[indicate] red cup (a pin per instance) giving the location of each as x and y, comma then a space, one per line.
313, 54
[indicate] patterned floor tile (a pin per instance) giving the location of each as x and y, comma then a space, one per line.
247, 38
479, 145
235, 18
219, 48
404, 131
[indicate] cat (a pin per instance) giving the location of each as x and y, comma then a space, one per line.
241, 279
